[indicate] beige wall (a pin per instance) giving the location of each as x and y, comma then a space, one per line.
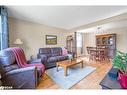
121, 39
33, 35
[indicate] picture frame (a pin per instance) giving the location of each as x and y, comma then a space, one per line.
51, 39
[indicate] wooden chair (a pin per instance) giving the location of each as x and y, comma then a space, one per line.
106, 57
97, 53
103, 56
90, 53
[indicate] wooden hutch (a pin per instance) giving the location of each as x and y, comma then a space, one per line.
107, 41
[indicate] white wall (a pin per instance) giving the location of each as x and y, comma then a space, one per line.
121, 39
33, 35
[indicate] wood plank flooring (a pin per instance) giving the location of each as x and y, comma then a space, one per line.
90, 82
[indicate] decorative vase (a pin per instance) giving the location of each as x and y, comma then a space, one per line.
122, 79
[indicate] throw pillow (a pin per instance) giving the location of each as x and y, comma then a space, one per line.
64, 52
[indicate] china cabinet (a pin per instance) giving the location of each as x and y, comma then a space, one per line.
107, 41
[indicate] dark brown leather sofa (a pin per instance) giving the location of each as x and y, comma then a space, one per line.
49, 56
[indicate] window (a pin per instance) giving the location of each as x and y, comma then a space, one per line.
79, 40
3, 28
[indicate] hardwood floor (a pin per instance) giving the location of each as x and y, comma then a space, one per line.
90, 82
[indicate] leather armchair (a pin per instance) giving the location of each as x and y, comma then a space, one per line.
23, 78
13, 75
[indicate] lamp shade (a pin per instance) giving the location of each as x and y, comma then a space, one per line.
18, 41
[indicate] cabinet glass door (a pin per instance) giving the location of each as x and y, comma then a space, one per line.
98, 41
110, 40
104, 40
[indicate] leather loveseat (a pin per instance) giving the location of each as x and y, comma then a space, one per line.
49, 56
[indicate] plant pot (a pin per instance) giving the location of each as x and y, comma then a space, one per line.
122, 79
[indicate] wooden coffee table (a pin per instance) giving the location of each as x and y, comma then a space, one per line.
69, 63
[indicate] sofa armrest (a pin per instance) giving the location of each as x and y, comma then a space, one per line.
25, 78
21, 70
43, 57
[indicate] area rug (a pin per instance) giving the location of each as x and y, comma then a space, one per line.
75, 74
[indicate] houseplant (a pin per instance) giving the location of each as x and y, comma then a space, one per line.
120, 62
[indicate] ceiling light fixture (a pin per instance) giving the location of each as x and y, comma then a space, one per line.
99, 29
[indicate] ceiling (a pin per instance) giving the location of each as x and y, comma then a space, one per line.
104, 27
65, 17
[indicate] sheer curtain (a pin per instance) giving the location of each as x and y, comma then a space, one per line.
4, 32
79, 40
79, 43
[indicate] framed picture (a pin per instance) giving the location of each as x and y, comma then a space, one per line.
51, 40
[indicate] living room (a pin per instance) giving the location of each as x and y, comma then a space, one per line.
31, 30
42, 30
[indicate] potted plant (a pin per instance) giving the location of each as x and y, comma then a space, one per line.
120, 62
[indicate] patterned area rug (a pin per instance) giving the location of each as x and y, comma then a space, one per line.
75, 74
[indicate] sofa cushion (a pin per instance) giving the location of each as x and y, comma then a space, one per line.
64, 51
52, 59
56, 51
61, 58
45, 51
48, 55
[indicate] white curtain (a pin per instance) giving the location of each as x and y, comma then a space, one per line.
79, 41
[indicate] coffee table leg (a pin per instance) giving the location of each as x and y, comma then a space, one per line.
65, 71
82, 64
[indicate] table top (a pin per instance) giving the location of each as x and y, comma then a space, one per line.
68, 63
110, 83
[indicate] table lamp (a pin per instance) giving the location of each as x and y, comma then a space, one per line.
18, 41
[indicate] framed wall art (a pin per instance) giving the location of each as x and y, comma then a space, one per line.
51, 40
